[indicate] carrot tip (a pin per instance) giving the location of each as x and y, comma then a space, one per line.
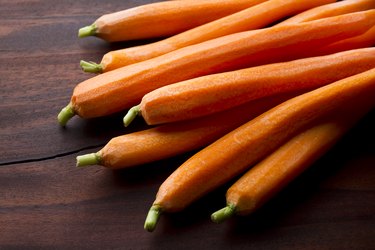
130, 116
88, 159
87, 31
65, 114
152, 218
91, 67
223, 214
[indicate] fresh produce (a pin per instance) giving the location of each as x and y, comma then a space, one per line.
213, 93
250, 95
272, 174
333, 9
254, 17
172, 139
329, 10
364, 40
161, 19
235, 152
119, 89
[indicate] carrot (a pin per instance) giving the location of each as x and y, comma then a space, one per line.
172, 139
235, 152
120, 89
272, 174
333, 9
161, 19
254, 17
329, 10
364, 40
213, 93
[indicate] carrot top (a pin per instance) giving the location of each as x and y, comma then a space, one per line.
65, 114
90, 30
91, 67
152, 218
223, 214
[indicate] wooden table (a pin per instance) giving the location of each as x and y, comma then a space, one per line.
46, 202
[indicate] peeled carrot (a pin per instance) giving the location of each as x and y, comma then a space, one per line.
161, 19
254, 17
272, 174
364, 40
329, 10
172, 139
213, 93
235, 152
333, 9
120, 89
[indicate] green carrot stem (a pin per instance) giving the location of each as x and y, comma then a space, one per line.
88, 159
65, 114
132, 113
87, 31
223, 214
91, 67
152, 218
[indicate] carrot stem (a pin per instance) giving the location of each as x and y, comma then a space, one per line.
223, 214
152, 217
88, 159
132, 113
65, 114
91, 67
87, 31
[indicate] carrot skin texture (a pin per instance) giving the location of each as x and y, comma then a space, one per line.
329, 10
238, 150
252, 18
272, 174
333, 9
120, 89
172, 139
364, 40
163, 19
213, 93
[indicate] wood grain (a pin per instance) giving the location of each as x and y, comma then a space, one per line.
45, 202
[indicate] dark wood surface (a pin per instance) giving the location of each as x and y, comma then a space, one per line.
46, 202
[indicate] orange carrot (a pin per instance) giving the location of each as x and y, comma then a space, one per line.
161, 19
213, 93
364, 40
254, 17
120, 89
329, 10
235, 152
172, 139
333, 9
272, 174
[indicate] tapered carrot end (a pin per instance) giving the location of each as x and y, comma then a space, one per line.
91, 67
87, 31
65, 115
223, 214
130, 116
152, 218
88, 160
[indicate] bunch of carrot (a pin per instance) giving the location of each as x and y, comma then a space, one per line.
261, 87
